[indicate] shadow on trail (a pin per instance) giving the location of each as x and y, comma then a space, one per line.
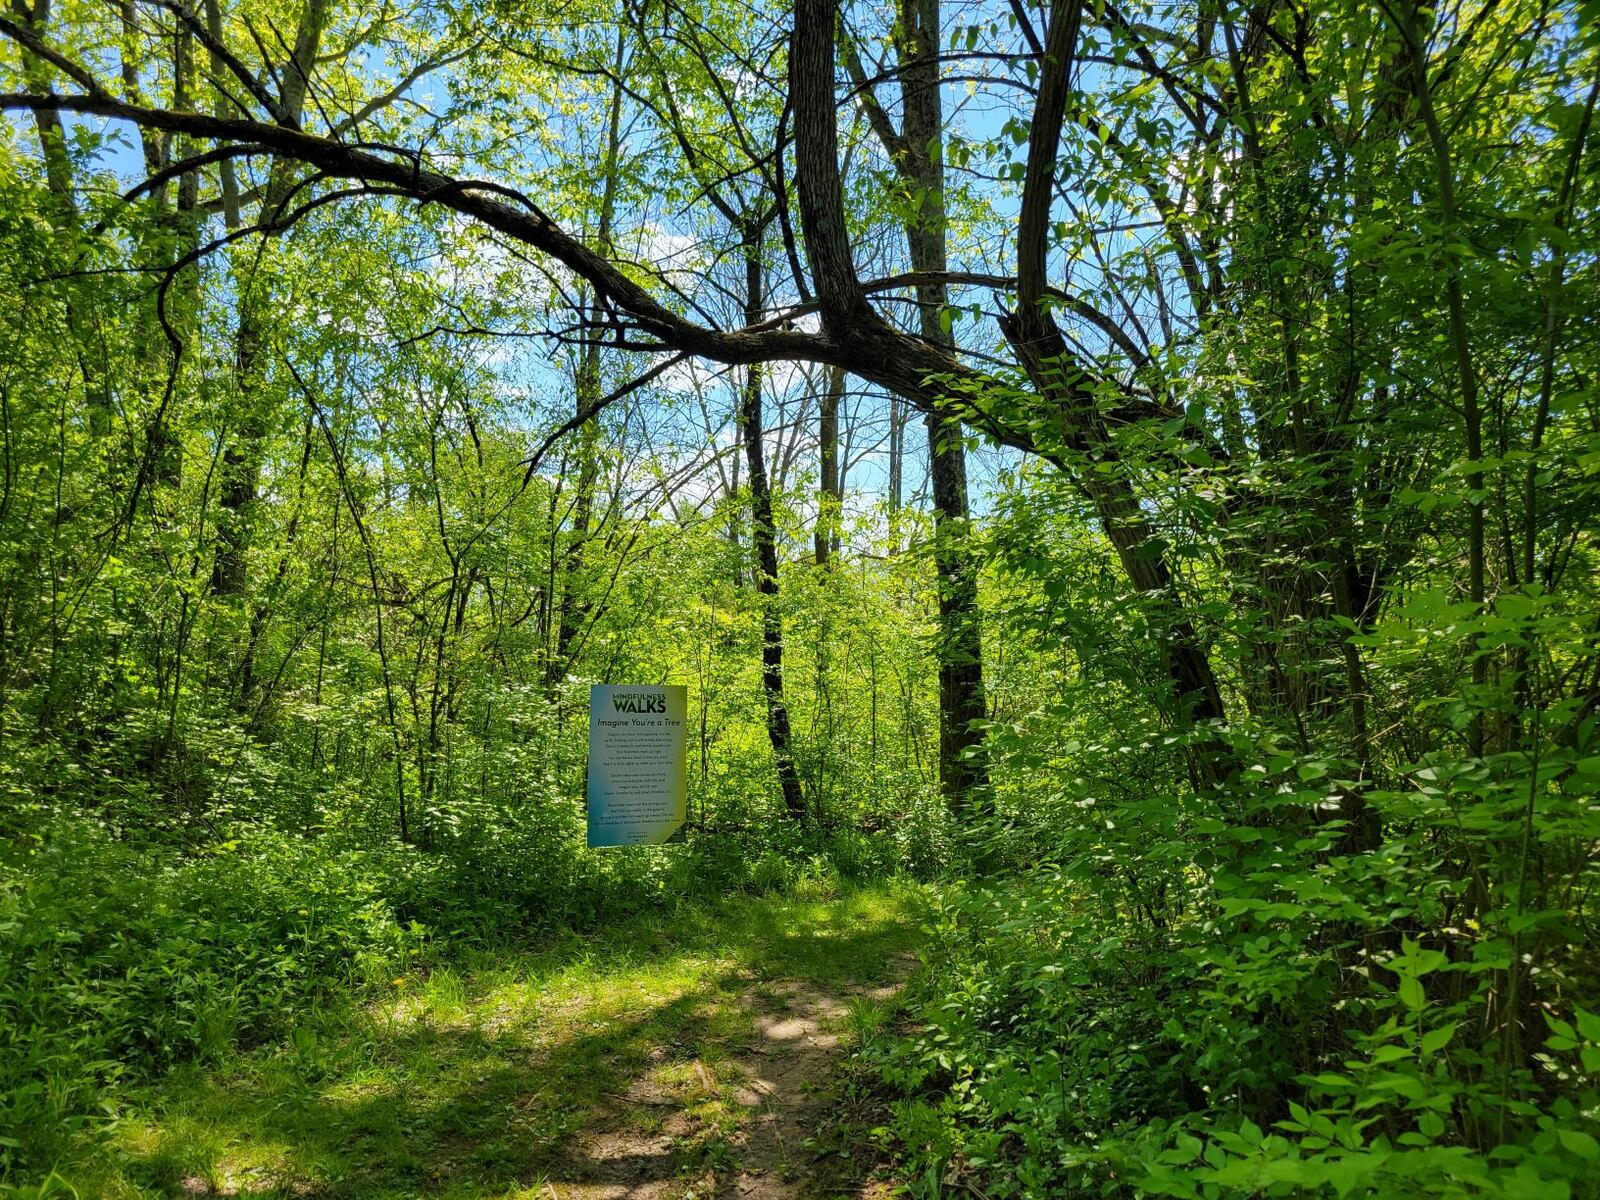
600, 1067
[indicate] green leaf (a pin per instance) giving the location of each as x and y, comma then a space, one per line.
1436, 1040
1580, 1143
1560, 1028
1411, 993
1588, 1025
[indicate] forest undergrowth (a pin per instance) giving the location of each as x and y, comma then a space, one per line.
630, 1058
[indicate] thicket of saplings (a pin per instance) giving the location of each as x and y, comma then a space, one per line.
1290, 952
183, 879
1154, 984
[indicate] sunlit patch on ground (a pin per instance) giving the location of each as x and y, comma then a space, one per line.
674, 1056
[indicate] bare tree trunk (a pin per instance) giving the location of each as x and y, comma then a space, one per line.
916, 150
241, 461
765, 536
573, 605
830, 490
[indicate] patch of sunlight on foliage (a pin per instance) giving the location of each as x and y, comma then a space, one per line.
476, 1071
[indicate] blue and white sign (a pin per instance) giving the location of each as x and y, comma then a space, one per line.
637, 780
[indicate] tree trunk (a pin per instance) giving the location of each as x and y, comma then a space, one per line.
916, 151
897, 464
241, 460
58, 178
573, 605
830, 489
1060, 378
765, 536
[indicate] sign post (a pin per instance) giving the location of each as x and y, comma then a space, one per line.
637, 780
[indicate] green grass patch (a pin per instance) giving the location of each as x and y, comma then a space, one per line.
473, 1074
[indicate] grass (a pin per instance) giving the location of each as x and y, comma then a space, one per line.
470, 1079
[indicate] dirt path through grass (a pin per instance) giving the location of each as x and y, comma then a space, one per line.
678, 1056
782, 1086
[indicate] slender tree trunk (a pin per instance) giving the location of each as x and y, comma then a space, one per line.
963, 776
1043, 354
379, 599
58, 178
916, 150
48, 123
221, 107
1460, 344
573, 605
765, 536
171, 325
897, 463
830, 491
241, 461
735, 507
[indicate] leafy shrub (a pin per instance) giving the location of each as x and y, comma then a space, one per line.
119, 961
1217, 996
113, 960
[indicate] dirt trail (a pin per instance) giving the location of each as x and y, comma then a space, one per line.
754, 1104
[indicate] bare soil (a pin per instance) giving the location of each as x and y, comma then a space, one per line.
747, 1115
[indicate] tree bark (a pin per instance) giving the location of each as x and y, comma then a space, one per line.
765, 536
58, 178
241, 460
573, 604
916, 151
1054, 370
830, 489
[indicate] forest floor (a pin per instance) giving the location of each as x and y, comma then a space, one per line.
694, 1053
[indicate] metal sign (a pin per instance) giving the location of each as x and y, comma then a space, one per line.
637, 781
